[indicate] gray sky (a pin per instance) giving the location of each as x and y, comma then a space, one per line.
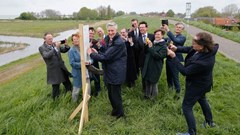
15, 7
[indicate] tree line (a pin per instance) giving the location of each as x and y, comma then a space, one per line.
105, 13
100, 13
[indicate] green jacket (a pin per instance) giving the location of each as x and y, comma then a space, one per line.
154, 62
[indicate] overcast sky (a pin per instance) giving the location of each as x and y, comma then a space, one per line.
15, 7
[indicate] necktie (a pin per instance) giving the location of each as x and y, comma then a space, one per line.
136, 32
144, 38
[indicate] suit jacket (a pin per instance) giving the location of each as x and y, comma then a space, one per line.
197, 69
55, 65
141, 47
177, 40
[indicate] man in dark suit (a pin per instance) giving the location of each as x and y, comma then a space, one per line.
141, 46
172, 72
134, 32
57, 72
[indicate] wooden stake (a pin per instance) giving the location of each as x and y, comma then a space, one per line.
84, 113
78, 109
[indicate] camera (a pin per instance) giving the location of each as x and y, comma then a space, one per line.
164, 22
63, 41
132, 25
94, 41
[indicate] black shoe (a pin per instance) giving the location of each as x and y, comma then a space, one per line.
120, 115
209, 124
113, 113
146, 98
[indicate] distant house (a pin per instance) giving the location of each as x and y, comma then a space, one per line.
224, 21
219, 21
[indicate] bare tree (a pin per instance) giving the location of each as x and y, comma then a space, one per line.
51, 14
230, 10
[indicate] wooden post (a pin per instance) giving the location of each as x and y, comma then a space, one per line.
78, 109
82, 56
84, 112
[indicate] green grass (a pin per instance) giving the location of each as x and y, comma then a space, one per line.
37, 28
27, 107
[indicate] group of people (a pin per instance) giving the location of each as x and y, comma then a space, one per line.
134, 53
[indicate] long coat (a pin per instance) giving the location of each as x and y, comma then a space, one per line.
154, 62
55, 65
131, 74
198, 70
75, 62
114, 60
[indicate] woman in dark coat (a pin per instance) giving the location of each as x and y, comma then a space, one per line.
153, 64
131, 74
198, 69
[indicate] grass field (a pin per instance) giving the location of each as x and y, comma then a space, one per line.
26, 107
36, 28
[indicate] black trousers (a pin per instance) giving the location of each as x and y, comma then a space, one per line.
187, 106
172, 76
67, 84
114, 95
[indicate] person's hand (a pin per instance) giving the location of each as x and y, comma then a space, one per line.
171, 53
149, 43
89, 51
87, 63
165, 26
131, 29
94, 50
172, 47
98, 45
130, 40
90, 44
57, 44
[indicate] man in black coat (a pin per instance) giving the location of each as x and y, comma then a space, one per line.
114, 61
57, 72
134, 33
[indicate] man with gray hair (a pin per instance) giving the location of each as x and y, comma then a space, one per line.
114, 60
172, 73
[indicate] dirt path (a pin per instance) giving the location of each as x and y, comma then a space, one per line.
16, 70
227, 47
